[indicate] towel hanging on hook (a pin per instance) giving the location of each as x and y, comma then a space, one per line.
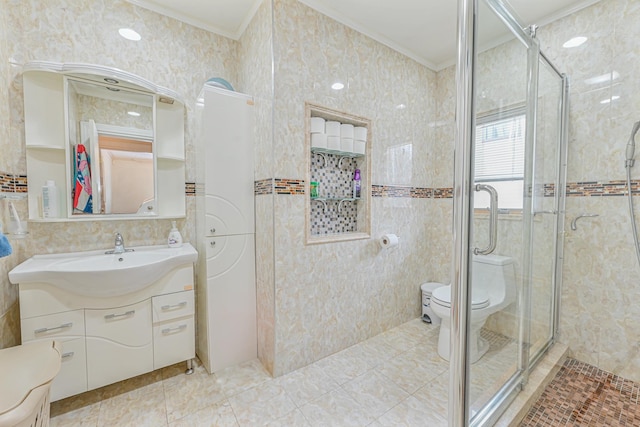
82, 198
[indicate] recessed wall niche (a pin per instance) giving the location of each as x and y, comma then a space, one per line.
337, 143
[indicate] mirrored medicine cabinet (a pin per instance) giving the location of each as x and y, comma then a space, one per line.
111, 141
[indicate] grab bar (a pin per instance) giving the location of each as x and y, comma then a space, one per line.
493, 219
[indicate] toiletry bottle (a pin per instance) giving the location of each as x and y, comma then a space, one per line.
356, 184
50, 200
175, 238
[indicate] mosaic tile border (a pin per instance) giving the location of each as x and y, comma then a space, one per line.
391, 191
263, 186
574, 189
289, 186
297, 187
601, 188
584, 395
190, 188
12, 183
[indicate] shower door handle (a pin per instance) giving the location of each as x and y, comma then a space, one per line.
493, 219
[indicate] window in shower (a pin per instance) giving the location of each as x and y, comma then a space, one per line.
499, 157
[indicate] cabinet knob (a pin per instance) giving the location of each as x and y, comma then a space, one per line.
212, 243
213, 230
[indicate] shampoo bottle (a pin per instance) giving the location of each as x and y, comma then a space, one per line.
50, 200
356, 184
175, 238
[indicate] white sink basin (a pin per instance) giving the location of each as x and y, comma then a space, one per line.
97, 274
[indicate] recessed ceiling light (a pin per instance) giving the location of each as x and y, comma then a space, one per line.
133, 113
608, 100
574, 42
400, 107
604, 78
337, 86
129, 34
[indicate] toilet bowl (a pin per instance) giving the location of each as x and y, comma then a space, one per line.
493, 288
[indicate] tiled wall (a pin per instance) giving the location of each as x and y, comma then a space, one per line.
171, 54
601, 274
329, 296
334, 175
255, 57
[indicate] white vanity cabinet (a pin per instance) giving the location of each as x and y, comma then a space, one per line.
109, 339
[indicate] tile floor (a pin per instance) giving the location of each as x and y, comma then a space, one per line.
393, 379
583, 395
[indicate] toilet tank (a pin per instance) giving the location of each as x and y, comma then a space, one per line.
496, 275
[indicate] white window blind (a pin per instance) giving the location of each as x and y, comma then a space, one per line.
499, 157
499, 150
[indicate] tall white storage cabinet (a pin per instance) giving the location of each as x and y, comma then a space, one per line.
226, 284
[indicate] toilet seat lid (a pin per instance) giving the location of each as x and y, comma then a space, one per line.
479, 298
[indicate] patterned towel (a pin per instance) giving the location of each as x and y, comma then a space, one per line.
82, 196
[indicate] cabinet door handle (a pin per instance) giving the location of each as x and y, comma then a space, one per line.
176, 329
174, 306
43, 330
113, 316
213, 230
212, 243
67, 355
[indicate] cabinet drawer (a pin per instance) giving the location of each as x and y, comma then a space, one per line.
172, 306
72, 378
67, 324
109, 362
173, 342
129, 325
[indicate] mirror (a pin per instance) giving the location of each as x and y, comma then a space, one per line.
112, 143
111, 149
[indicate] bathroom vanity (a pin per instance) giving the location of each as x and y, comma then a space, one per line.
110, 328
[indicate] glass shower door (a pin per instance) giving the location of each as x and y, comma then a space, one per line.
503, 114
506, 213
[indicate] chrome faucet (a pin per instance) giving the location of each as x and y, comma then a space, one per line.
119, 246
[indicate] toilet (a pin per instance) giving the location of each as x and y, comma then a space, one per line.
493, 288
27, 371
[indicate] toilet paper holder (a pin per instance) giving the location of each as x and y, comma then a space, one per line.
388, 241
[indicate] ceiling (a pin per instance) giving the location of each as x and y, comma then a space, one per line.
424, 30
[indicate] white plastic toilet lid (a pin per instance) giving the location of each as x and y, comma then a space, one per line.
479, 298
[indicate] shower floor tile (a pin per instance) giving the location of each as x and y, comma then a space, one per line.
583, 395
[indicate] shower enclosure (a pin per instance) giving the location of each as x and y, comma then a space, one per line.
511, 115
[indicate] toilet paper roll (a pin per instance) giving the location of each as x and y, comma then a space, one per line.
388, 241
359, 147
332, 128
317, 125
346, 144
346, 131
360, 133
333, 143
319, 140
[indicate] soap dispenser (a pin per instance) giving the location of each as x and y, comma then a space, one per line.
175, 238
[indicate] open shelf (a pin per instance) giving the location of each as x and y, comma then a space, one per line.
331, 218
